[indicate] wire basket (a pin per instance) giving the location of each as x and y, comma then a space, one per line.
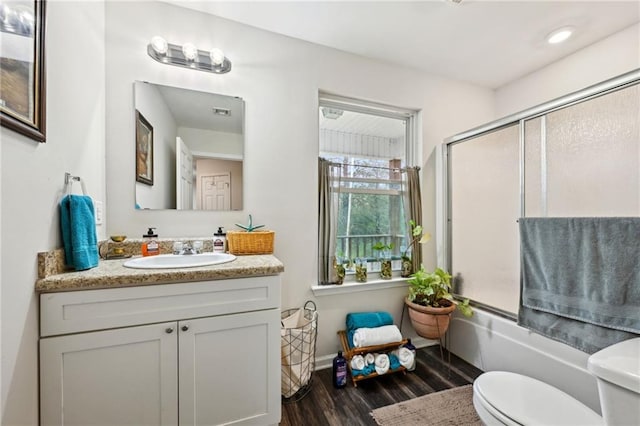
298, 334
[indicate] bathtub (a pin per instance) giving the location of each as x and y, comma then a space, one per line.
491, 342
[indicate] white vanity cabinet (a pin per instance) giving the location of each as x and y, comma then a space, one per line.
201, 353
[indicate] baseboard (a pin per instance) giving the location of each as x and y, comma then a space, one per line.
326, 361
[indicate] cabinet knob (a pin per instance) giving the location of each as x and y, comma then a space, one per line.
185, 327
169, 330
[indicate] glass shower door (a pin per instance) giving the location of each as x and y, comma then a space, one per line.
584, 160
485, 202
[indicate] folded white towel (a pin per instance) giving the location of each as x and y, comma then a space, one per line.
357, 362
376, 336
369, 359
382, 363
406, 357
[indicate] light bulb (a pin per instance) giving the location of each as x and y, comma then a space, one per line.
160, 45
217, 57
559, 35
190, 51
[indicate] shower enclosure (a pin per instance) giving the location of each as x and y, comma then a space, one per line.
576, 156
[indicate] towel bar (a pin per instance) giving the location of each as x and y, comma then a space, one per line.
68, 183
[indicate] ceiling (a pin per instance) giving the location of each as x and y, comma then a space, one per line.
191, 108
363, 124
489, 43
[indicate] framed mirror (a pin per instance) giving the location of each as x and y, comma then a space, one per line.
194, 160
22, 68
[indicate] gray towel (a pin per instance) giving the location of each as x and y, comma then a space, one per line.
580, 274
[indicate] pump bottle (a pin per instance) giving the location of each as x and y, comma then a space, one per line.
150, 245
219, 241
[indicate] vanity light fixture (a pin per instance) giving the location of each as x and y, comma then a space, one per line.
159, 45
188, 56
216, 56
189, 51
560, 35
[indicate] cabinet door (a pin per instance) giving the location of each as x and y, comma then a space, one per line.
230, 369
116, 377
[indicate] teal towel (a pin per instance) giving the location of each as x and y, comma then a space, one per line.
368, 320
78, 228
357, 320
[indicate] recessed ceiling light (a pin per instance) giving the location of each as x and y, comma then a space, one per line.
560, 35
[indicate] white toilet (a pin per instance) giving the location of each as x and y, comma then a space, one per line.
504, 398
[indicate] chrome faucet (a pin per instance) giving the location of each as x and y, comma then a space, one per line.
180, 248
187, 249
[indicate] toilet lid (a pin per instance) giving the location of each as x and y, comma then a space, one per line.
528, 401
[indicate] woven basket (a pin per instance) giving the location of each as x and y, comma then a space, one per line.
255, 242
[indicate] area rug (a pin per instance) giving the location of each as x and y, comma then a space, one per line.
452, 407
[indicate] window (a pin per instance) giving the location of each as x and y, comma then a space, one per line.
369, 147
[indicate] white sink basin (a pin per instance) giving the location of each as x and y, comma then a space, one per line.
166, 261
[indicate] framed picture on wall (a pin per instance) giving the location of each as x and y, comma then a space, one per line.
22, 70
144, 150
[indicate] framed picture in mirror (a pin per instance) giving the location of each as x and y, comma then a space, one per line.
22, 70
144, 150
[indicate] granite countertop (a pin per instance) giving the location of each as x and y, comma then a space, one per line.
112, 273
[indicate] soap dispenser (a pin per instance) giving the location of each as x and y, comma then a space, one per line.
219, 241
150, 245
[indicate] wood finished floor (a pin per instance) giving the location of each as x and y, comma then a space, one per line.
324, 405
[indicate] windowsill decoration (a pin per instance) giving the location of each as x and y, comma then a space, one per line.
416, 236
384, 258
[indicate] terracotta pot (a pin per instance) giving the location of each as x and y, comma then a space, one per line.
429, 322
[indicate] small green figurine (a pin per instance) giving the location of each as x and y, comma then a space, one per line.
249, 227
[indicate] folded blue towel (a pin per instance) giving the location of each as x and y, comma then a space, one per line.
357, 320
368, 320
78, 228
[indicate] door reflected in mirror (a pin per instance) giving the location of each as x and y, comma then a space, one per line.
198, 149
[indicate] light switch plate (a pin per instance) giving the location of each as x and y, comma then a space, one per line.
99, 211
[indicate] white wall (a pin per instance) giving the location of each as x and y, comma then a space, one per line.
279, 78
152, 106
202, 140
32, 177
615, 55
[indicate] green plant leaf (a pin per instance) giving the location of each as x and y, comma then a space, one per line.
378, 246
465, 309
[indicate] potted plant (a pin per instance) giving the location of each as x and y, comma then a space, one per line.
416, 236
361, 270
430, 302
341, 265
385, 258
